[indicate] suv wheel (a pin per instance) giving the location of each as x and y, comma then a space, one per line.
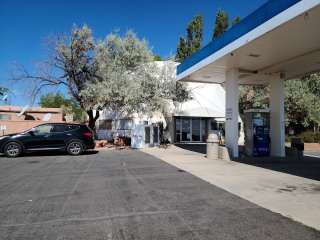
75, 148
12, 149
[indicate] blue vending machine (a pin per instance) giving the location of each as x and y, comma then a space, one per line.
257, 132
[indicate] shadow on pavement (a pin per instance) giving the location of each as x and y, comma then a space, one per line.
308, 167
56, 153
196, 147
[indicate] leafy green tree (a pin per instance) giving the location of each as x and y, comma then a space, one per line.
182, 50
69, 106
195, 34
52, 100
157, 58
313, 82
221, 24
115, 74
236, 20
193, 41
3, 90
302, 101
298, 104
251, 97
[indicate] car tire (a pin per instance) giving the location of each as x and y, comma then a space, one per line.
12, 149
75, 148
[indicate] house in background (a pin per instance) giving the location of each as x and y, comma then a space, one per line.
188, 122
15, 119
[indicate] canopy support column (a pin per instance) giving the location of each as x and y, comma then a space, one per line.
277, 120
232, 111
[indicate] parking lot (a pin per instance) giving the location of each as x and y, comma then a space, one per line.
126, 194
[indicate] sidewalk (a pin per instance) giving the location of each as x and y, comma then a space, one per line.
292, 196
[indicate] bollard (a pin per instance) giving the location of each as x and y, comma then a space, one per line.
298, 146
213, 145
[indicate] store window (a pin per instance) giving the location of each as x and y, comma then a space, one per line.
105, 124
190, 129
5, 116
125, 124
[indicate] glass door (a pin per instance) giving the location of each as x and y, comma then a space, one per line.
178, 129
147, 135
196, 130
185, 130
155, 134
190, 129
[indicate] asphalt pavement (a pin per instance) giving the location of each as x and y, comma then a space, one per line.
126, 194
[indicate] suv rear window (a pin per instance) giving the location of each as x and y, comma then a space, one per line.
59, 128
64, 128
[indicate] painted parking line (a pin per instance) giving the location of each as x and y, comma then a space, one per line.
310, 155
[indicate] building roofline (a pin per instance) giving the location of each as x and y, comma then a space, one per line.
30, 109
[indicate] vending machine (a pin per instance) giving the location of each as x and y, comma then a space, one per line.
257, 132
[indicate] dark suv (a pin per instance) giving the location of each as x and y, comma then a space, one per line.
73, 138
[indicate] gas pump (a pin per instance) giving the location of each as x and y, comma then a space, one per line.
257, 132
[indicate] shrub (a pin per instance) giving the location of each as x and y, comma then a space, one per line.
287, 139
317, 137
310, 137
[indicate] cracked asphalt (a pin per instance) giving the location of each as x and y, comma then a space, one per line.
126, 195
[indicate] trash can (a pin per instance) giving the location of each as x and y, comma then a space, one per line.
298, 146
213, 145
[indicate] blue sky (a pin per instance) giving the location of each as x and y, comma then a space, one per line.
26, 24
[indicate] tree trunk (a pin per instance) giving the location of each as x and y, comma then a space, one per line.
93, 119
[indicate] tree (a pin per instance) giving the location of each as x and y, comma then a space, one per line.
252, 97
302, 102
182, 50
130, 82
313, 82
115, 74
71, 64
157, 58
193, 42
221, 24
69, 106
298, 104
52, 100
195, 34
3, 90
236, 20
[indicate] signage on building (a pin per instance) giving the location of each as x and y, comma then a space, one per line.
229, 113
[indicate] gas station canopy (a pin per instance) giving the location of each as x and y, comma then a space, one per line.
282, 36
277, 42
